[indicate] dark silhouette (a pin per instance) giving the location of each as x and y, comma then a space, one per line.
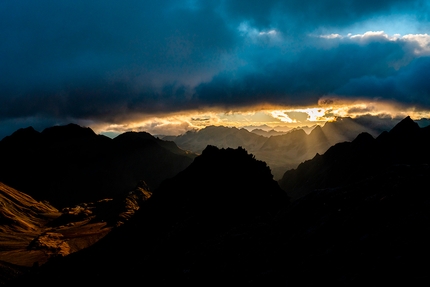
350, 162
67, 165
280, 152
360, 217
190, 227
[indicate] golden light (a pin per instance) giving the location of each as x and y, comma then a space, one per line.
266, 117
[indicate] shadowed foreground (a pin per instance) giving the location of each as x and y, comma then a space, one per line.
225, 220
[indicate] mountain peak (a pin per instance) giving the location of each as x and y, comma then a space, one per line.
67, 132
22, 135
213, 177
405, 127
134, 136
363, 138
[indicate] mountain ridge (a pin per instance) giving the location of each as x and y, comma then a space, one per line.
280, 152
70, 164
365, 219
404, 143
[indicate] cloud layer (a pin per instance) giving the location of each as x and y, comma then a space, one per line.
113, 62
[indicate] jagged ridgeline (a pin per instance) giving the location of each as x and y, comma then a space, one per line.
406, 146
70, 164
280, 151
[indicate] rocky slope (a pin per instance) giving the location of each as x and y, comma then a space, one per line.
32, 232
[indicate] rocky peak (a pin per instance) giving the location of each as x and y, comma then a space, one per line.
404, 128
67, 132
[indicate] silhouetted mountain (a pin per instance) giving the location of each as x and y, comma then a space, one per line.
267, 134
217, 171
188, 227
363, 221
221, 137
288, 151
138, 139
349, 162
280, 152
71, 164
67, 132
22, 136
362, 218
406, 127
362, 210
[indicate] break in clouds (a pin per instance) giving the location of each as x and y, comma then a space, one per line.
110, 61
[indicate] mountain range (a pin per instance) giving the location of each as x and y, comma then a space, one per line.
405, 146
69, 164
284, 151
356, 214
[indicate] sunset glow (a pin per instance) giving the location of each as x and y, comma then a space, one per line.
175, 66
276, 118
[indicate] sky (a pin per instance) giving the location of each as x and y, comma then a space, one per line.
169, 66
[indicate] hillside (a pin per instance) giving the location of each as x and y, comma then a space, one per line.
32, 232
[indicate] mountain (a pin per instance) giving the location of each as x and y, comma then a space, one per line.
364, 219
280, 152
361, 210
219, 136
288, 151
70, 164
191, 222
349, 162
267, 134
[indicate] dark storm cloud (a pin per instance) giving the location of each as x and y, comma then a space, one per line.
98, 58
52, 42
409, 85
315, 72
111, 60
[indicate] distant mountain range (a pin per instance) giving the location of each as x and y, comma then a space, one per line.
284, 151
70, 164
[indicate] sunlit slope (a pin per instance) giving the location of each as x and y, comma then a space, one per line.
20, 212
22, 219
32, 232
